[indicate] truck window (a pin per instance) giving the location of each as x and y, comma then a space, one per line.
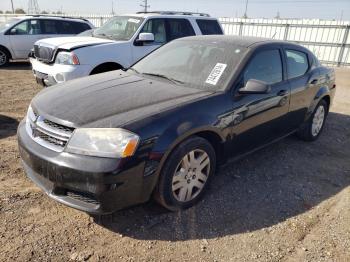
209, 27
179, 28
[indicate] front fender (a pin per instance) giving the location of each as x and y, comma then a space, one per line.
94, 56
181, 130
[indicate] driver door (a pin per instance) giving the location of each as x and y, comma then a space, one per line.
261, 118
23, 36
157, 26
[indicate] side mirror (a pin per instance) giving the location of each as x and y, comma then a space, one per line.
254, 86
145, 38
13, 31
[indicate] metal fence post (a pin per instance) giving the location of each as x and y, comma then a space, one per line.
343, 45
286, 32
240, 31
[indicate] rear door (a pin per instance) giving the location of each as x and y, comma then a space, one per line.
23, 36
260, 118
304, 82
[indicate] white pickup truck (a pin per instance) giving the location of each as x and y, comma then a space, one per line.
118, 44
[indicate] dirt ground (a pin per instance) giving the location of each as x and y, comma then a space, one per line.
288, 202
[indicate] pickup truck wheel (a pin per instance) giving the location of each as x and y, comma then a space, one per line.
312, 129
4, 57
185, 175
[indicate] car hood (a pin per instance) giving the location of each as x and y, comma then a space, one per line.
73, 42
110, 99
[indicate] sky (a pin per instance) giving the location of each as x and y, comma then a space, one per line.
322, 9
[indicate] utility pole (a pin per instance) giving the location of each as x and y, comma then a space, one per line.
112, 8
33, 7
145, 5
246, 9
13, 9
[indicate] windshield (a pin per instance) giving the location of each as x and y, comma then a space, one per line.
198, 64
8, 24
119, 28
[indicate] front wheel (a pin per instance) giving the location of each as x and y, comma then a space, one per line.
312, 129
185, 175
4, 57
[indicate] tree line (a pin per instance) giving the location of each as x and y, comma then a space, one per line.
21, 11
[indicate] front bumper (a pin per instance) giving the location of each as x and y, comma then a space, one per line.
91, 184
51, 74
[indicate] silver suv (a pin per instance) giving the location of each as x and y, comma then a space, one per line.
18, 34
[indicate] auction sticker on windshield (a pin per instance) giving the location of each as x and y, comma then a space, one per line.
133, 20
215, 74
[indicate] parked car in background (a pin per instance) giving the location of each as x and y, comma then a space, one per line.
118, 44
18, 34
112, 140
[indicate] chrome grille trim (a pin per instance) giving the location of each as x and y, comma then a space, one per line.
44, 53
46, 133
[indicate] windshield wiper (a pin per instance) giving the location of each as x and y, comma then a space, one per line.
133, 69
104, 36
165, 77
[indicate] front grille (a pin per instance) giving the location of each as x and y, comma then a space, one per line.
43, 53
58, 126
83, 196
47, 133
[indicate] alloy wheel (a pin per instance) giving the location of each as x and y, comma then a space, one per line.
3, 58
318, 120
191, 175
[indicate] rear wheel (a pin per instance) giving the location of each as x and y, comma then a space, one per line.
312, 129
4, 57
185, 175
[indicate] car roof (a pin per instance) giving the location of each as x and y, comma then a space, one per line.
77, 19
243, 41
171, 14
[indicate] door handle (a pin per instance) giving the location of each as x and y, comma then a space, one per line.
282, 93
314, 82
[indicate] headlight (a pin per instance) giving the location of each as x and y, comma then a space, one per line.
103, 142
67, 58
30, 115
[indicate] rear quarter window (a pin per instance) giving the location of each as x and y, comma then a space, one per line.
297, 63
209, 27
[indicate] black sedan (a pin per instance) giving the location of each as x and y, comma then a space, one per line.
162, 127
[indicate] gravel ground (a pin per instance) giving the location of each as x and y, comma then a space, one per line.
288, 202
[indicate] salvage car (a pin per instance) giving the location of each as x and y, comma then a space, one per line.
18, 34
118, 44
161, 128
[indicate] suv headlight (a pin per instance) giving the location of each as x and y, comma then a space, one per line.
103, 142
67, 58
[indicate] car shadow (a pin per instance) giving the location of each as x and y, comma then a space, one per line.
263, 189
8, 126
18, 65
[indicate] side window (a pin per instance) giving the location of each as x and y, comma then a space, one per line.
65, 28
179, 28
265, 66
157, 27
297, 63
49, 27
79, 27
209, 27
29, 27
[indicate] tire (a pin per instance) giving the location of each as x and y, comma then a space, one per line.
312, 129
4, 57
173, 191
